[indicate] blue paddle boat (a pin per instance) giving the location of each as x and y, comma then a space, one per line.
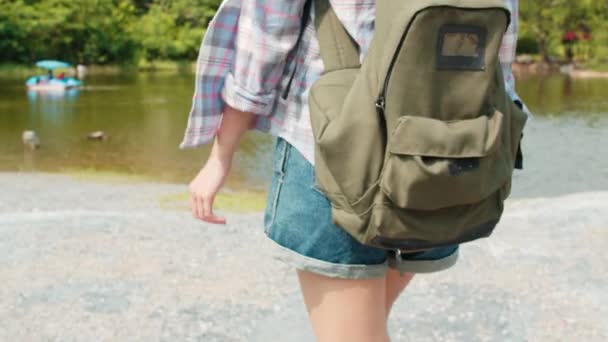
49, 81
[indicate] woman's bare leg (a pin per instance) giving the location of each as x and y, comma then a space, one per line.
395, 283
344, 309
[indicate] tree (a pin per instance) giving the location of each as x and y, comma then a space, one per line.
549, 20
85, 31
172, 29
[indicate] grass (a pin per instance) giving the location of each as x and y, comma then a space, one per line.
24, 70
174, 66
229, 200
601, 67
240, 201
105, 176
21, 70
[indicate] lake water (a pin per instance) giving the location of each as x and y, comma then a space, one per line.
144, 116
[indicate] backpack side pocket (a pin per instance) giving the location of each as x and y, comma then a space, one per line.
349, 148
518, 122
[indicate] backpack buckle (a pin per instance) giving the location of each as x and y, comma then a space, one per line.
399, 260
399, 256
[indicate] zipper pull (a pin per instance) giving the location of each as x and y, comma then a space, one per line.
380, 105
380, 108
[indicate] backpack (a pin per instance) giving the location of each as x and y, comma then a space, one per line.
415, 146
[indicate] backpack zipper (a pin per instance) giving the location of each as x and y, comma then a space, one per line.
380, 105
381, 101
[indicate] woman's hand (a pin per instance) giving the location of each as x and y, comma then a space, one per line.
205, 186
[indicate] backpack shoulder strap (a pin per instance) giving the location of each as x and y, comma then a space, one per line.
338, 49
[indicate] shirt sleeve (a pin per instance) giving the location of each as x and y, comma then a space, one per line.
215, 59
268, 30
507, 53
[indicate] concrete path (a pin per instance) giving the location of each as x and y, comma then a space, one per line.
88, 261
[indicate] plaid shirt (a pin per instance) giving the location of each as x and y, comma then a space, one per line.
247, 57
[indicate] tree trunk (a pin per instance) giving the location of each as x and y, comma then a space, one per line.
569, 53
542, 50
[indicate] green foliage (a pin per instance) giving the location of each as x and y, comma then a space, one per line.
132, 31
527, 45
172, 29
548, 20
85, 31
102, 31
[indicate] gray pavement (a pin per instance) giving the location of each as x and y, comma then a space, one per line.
92, 261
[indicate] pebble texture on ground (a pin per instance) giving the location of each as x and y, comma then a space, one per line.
87, 261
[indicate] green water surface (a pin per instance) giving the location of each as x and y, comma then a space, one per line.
144, 116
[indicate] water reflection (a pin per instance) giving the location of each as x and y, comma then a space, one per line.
568, 87
559, 95
53, 95
53, 105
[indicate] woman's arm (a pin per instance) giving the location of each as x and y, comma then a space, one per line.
234, 125
507, 53
267, 31
212, 176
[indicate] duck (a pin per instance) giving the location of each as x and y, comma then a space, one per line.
30, 139
97, 135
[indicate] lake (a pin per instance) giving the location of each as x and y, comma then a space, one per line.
144, 116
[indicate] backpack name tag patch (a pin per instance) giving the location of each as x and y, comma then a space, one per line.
461, 47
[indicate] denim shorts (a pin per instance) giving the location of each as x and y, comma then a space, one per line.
298, 221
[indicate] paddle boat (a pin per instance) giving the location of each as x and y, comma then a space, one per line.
50, 82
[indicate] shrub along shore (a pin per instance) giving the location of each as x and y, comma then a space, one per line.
25, 70
131, 32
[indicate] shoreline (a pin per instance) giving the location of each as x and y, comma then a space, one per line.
532, 67
23, 70
539, 68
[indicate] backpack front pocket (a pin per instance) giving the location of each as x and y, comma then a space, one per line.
434, 164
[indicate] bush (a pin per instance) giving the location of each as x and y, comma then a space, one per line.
102, 31
527, 45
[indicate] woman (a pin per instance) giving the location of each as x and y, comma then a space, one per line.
257, 63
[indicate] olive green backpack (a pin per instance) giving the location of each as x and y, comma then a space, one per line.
415, 146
